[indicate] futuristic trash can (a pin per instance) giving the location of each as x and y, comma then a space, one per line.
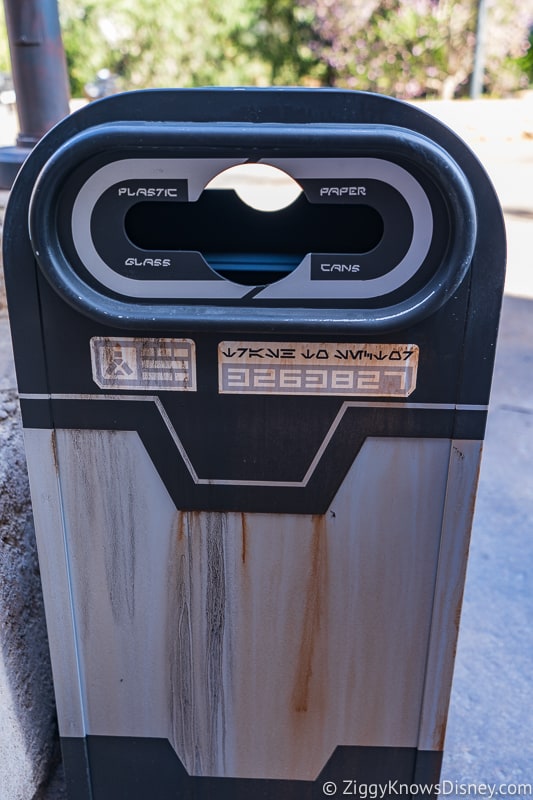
253, 437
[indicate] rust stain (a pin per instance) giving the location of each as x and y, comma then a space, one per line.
215, 528
440, 733
181, 526
312, 614
244, 543
457, 615
54, 451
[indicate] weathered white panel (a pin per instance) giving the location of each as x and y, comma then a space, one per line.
257, 643
326, 618
52, 546
463, 474
121, 524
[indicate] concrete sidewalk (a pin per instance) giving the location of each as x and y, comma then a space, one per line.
489, 729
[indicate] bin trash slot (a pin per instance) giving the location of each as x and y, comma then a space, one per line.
247, 245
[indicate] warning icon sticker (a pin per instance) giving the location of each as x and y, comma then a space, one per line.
155, 364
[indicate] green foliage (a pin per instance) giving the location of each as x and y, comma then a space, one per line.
4, 49
432, 44
279, 33
525, 62
415, 48
509, 24
147, 43
407, 48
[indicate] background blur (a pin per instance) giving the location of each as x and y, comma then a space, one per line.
405, 48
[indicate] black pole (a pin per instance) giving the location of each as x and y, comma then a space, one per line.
40, 77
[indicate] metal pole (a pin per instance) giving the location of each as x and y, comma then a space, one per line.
39, 76
476, 85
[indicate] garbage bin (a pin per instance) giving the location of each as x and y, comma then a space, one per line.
253, 437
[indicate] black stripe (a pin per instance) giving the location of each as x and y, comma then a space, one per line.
255, 452
122, 768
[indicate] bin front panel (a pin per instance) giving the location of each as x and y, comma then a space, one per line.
253, 437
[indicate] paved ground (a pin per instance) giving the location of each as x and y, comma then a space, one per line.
489, 733
489, 729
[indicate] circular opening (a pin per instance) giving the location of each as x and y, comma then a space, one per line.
259, 186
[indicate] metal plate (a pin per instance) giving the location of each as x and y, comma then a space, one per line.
323, 368
128, 363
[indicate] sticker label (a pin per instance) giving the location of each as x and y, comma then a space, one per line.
157, 364
324, 368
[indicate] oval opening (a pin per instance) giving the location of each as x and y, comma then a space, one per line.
259, 244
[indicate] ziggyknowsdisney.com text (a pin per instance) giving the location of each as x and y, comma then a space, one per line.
446, 788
